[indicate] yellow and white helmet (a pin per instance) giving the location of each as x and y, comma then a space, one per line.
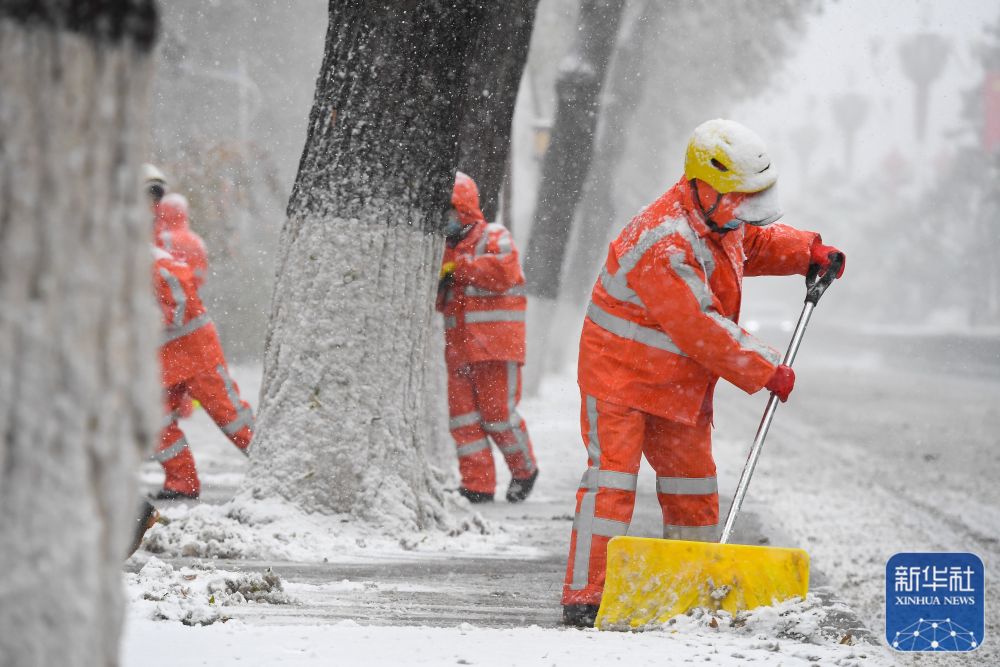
730, 157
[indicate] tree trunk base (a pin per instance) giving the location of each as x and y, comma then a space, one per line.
345, 395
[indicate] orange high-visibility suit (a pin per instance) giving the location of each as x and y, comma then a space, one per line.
660, 331
484, 312
174, 234
192, 363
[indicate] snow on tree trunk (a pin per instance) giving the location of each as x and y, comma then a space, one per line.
79, 395
494, 78
567, 161
343, 423
626, 86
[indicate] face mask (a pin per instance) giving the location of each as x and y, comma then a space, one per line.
454, 226
760, 208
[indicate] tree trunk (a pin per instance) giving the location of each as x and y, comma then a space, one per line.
567, 161
343, 423
625, 92
564, 170
494, 76
79, 394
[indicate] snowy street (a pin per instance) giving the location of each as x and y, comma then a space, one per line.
850, 484
299, 302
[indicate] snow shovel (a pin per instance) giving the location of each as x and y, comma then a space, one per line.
649, 581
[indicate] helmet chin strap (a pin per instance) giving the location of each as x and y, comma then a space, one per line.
712, 224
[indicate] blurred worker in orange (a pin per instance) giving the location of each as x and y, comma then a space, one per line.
174, 234
660, 330
481, 295
192, 363
171, 227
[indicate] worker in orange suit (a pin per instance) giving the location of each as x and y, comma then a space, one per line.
660, 330
192, 363
481, 295
173, 233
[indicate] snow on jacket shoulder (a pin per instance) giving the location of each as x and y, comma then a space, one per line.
190, 344
485, 307
173, 233
188, 247
661, 327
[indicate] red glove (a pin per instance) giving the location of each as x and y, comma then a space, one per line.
824, 255
781, 382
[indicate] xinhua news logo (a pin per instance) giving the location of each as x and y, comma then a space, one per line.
934, 602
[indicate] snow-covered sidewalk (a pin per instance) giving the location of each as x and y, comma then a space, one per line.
337, 596
348, 643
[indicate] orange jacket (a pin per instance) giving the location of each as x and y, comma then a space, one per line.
484, 307
174, 235
190, 344
661, 326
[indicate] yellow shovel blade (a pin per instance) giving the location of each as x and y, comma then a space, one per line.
651, 581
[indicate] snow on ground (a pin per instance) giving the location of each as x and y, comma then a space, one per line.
197, 595
866, 461
188, 598
692, 640
275, 530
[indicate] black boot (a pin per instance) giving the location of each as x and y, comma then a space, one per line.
475, 496
520, 488
170, 494
146, 520
580, 615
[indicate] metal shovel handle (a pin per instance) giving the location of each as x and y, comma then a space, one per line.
816, 284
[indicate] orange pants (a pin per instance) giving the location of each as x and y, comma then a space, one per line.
482, 401
615, 437
220, 397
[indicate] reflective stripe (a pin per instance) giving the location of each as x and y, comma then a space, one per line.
450, 322
244, 417
629, 330
594, 443
477, 316
745, 340
609, 527
516, 290
691, 533
167, 241
504, 243
512, 448
470, 448
698, 287
180, 298
497, 427
647, 240
703, 295
617, 287
168, 419
170, 452
513, 424
608, 479
687, 486
701, 251
468, 419
585, 524
172, 333
481, 243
